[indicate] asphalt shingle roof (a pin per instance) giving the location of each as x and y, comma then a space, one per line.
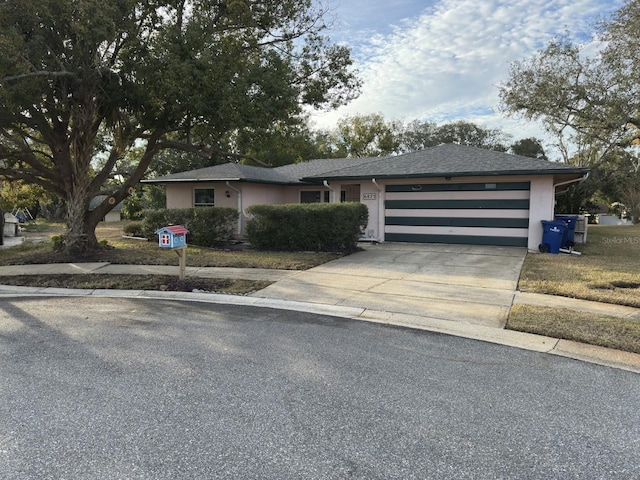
449, 160
314, 168
444, 160
287, 174
225, 172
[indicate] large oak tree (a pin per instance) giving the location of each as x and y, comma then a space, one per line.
83, 82
590, 101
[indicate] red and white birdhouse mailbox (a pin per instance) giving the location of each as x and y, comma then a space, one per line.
173, 236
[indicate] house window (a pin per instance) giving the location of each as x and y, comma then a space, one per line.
203, 197
314, 196
350, 193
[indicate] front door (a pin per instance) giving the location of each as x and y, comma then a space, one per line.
350, 193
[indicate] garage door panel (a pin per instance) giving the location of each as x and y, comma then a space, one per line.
460, 222
412, 212
504, 195
460, 187
457, 239
460, 204
465, 213
464, 231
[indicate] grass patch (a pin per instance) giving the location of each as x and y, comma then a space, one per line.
601, 330
607, 271
43, 226
136, 282
125, 251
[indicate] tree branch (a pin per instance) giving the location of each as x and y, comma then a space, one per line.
31, 177
39, 73
207, 151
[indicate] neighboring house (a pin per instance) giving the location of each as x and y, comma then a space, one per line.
444, 194
114, 215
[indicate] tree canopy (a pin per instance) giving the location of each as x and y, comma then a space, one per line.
589, 102
371, 135
83, 82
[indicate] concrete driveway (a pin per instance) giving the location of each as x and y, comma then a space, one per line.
464, 283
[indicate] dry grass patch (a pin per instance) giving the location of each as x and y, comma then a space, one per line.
607, 271
136, 282
125, 251
601, 330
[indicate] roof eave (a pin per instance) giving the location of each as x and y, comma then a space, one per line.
210, 180
576, 171
191, 180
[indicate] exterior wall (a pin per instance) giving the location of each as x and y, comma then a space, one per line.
255, 194
373, 197
113, 216
240, 196
613, 220
541, 208
179, 195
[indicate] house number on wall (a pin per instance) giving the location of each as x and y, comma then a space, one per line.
368, 196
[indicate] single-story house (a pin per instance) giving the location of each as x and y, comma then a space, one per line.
445, 194
114, 215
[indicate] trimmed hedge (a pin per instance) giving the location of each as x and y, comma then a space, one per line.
307, 226
208, 226
133, 229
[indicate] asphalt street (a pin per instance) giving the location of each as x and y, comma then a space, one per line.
98, 388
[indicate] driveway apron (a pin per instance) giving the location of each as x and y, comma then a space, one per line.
464, 283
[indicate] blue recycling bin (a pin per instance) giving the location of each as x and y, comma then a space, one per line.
552, 235
568, 240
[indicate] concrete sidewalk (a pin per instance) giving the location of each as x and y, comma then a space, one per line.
108, 268
455, 295
8, 242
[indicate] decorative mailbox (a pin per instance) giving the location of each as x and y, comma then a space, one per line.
174, 236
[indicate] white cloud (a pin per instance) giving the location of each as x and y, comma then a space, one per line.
446, 61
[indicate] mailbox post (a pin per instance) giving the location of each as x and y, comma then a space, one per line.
174, 237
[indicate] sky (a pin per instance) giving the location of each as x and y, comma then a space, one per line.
442, 60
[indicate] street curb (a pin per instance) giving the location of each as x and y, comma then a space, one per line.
578, 351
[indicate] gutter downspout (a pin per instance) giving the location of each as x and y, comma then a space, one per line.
239, 206
331, 189
576, 180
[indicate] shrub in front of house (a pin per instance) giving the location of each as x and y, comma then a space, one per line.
133, 229
208, 226
307, 226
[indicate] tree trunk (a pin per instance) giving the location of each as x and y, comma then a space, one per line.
80, 237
